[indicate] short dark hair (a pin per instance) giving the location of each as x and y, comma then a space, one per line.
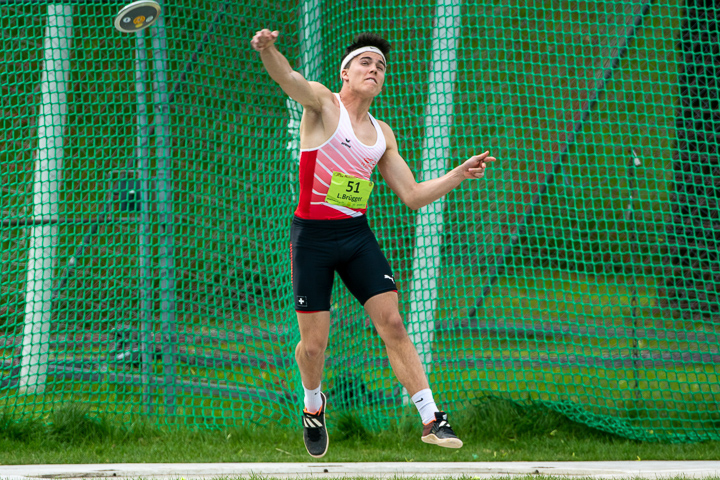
368, 39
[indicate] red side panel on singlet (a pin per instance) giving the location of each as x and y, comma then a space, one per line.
307, 173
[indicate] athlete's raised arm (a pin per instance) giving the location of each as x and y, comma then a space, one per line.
311, 95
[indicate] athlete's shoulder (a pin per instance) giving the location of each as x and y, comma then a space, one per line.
388, 133
324, 94
386, 129
320, 88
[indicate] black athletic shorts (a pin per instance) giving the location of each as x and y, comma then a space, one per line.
319, 248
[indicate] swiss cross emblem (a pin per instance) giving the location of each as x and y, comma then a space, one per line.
302, 301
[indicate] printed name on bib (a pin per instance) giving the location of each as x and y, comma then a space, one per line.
348, 191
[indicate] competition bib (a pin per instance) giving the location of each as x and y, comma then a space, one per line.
348, 191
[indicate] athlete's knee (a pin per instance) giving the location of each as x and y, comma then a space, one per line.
311, 349
393, 328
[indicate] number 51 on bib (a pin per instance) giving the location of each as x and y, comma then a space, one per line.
349, 191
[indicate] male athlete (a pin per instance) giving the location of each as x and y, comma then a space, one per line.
340, 144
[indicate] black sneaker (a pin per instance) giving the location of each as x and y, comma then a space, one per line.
314, 431
439, 432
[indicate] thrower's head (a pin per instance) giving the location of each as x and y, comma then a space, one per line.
137, 16
364, 65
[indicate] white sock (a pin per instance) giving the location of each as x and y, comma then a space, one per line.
425, 404
313, 399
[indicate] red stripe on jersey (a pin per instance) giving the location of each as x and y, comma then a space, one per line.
307, 178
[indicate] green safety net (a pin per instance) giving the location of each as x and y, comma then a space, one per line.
149, 181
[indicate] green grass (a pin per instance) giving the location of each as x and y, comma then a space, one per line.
493, 431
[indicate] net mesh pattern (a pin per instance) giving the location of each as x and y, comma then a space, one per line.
149, 181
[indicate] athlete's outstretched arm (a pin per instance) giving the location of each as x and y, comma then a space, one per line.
310, 95
401, 180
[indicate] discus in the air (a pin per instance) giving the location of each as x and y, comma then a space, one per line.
137, 16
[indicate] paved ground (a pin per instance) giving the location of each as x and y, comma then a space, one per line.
650, 469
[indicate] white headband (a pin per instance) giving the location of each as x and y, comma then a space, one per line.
357, 52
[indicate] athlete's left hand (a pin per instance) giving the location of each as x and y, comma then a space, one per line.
474, 167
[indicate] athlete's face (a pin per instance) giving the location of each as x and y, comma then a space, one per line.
366, 73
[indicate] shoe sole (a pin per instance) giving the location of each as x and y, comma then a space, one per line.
442, 442
326, 448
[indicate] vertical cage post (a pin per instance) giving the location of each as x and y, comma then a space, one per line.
165, 199
48, 165
436, 150
143, 167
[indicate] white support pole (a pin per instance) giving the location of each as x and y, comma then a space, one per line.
310, 54
436, 150
311, 42
48, 164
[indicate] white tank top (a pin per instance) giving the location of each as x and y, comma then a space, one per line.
343, 153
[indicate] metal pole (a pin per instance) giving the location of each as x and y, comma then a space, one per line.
32, 222
631, 227
48, 164
436, 150
164, 186
143, 166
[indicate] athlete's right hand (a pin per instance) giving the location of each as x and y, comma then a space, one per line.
263, 39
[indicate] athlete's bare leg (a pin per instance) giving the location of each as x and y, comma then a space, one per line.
310, 351
404, 359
